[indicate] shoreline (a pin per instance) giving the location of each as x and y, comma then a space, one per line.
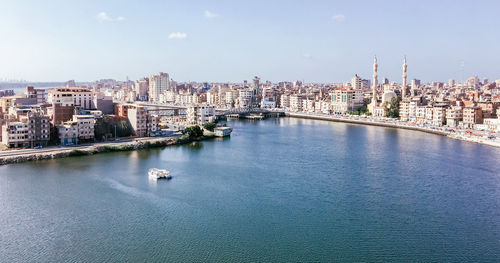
395, 126
63, 152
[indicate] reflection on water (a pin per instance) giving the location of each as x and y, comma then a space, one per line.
196, 145
286, 190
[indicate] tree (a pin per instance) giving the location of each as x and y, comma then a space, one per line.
392, 107
360, 110
193, 131
210, 126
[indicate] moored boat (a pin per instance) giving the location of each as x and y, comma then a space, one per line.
222, 131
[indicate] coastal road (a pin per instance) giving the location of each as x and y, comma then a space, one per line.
10, 153
44, 150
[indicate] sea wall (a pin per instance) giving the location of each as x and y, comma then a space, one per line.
381, 124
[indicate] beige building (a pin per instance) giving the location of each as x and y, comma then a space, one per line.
472, 116
137, 117
85, 126
68, 133
454, 116
296, 102
15, 134
404, 110
345, 100
438, 116
32, 130
77, 97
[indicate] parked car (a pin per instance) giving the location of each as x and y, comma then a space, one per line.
38, 147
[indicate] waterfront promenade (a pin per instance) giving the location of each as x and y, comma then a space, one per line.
393, 123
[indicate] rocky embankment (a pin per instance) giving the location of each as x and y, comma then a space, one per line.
54, 153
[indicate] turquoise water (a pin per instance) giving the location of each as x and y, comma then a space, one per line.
282, 190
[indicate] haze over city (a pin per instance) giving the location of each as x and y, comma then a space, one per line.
229, 41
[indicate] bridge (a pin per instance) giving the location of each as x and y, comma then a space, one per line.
247, 113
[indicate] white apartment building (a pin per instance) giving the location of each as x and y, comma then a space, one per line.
78, 97
158, 84
454, 116
15, 134
296, 102
404, 110
345, 100
268, 98
420, 114
412, 110
141, 89
85, 126
285, 101
245, 98
230, 97
308, 105
438, 116
211, 97
200, 114
326, 107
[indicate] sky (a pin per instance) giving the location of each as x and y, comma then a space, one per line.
232, 41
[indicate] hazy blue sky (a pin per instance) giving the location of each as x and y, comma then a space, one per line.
315, 41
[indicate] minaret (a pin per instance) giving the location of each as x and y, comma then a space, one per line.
375, 83
403, 88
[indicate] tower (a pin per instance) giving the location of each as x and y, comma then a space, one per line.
373, 104
375, 82
403, 88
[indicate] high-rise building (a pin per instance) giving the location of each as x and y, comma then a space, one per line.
356, 82
158, 84
141, 89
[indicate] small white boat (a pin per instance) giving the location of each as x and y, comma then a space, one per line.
155, 173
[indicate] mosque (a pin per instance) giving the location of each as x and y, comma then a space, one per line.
378, 108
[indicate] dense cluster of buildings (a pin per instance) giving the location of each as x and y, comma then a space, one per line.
73, 114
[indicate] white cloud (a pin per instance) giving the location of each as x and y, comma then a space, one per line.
307, 55
103, 17
209, 14
339, 17
177, 35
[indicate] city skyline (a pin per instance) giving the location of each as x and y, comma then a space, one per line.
323, 42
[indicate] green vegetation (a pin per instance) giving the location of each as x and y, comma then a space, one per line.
210, 126
360, 110
392, 107
106, 127
77, 153
193, 131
